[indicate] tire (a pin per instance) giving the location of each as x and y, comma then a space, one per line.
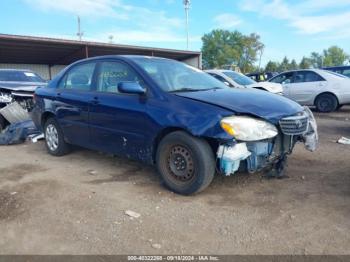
326, 103
185, 163
3, 123
54, 139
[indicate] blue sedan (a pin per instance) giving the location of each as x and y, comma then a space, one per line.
167, 113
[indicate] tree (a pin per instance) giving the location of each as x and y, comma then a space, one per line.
305, 63
293, 65
251, 48
334, 56
223, 47
284, 66
316, 60
272, 67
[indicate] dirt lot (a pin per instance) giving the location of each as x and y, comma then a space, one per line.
75, 205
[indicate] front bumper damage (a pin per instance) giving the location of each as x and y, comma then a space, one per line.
271, 153
15, 105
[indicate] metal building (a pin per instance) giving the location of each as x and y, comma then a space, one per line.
47, 56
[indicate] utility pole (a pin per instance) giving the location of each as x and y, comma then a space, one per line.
80, 33
261, 53
187, 4
110, 37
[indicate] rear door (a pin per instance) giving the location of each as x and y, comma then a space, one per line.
74, 93
305, 86
116, 119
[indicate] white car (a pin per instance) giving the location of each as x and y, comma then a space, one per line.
326, 90
238, 80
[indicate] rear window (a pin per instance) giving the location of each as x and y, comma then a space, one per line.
20, 76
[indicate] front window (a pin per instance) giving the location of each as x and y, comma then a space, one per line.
286, 78
113, 73
173, 76
20, 76
239, 78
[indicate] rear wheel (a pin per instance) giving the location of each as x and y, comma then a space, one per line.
54, 138
185, 163
326, 103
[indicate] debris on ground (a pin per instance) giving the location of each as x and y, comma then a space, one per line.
35, 138
344, 141
156, 246
18, 132
92, 172
132, 214
14, 113
17, 125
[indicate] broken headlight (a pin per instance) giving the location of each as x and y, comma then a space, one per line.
247, 128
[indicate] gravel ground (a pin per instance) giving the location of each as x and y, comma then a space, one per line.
76, 204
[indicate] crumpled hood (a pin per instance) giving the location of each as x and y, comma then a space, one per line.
262, 104
269, 86
21, 86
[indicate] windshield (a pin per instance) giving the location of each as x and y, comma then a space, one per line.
173, 76
239, 78
19, 76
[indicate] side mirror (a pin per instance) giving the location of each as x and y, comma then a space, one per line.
131, 88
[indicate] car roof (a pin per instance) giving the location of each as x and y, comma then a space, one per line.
219, 70
123, 56
337, 67
301, 70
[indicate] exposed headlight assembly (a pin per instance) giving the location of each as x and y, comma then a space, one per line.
247, 128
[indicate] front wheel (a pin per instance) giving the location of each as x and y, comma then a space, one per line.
185, 163
326, 103
54, 138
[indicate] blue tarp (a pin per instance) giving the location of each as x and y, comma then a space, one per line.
17, 133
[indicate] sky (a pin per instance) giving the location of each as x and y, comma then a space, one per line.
291, 28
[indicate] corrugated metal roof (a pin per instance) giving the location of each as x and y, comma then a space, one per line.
44, 50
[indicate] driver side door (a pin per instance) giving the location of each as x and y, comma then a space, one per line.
286, 80
117, 119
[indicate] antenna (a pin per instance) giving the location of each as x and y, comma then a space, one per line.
80, 33
187, 4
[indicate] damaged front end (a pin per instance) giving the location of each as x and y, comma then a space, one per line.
15, 106
270, 152
23, 98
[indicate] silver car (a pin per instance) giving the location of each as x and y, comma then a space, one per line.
326, 90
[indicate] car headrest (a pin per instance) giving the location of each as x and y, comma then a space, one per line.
79, 79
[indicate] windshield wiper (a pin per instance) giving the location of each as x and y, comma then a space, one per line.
185, 89
212, 88
193, 90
